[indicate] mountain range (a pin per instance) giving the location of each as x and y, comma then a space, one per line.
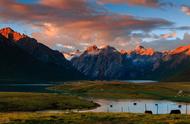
23, 58
141, 63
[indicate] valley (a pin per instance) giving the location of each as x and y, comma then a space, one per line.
94, 61
36, 80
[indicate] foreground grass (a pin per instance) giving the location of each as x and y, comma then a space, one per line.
177, 91
40, 101
91, 118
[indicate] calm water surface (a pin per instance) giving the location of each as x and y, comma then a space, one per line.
42, 87
139, 81
25, 87
140, 106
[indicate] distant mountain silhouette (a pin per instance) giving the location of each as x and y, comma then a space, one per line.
23, 58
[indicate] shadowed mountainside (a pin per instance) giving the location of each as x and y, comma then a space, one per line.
23, 58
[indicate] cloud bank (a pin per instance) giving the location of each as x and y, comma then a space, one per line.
149, 3
79, 23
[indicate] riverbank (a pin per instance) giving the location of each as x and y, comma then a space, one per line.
91, 118
173, 91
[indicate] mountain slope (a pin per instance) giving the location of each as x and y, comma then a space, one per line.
175, 65
18, 62
99, 63
108, 63
37, 50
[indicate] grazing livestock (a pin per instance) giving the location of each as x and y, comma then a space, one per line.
148, 112
179, 106
175, 112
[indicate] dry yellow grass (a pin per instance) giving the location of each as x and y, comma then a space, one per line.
91, 118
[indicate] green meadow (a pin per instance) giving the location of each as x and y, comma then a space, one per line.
15, 101
177, 91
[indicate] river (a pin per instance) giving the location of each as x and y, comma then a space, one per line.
140, 106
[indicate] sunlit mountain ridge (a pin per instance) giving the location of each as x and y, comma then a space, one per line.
140, 63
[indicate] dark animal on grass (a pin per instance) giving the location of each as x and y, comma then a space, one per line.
148, 112
175, 112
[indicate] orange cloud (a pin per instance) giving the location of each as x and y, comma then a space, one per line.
150, 3
71, 22
169, 35
186, 10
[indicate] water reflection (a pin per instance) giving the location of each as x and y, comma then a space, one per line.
140, 106
25, 87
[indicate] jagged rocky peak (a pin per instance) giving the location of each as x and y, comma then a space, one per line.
7, 29
139, 48
107, 47
11, 34
181, 50
144, 51
92, 48
123, 51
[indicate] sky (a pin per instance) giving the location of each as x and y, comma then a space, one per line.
68, 25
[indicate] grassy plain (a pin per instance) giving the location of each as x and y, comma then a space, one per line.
91, 118
15, 101
177, 91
